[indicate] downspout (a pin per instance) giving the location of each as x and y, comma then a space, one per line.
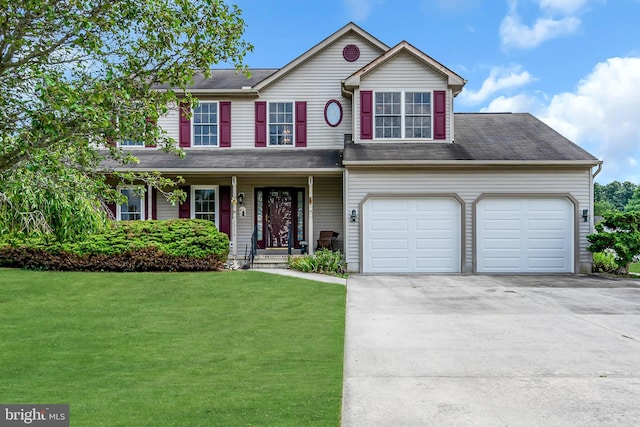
345, 180
597, 171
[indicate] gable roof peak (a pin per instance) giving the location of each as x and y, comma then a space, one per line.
454, 80
349, 27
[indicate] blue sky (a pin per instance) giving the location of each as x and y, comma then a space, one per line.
573, 63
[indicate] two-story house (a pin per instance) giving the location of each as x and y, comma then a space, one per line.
360, 138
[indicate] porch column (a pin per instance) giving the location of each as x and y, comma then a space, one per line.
311, 245
234, 217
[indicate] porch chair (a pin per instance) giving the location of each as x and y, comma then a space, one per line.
326, 239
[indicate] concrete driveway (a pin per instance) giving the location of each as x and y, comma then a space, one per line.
492, 350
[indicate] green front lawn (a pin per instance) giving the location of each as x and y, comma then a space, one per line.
173, 349
635, 267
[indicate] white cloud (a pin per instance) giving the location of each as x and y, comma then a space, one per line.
521, 103
566, 7
602, 116
499, 79
557, 18
515, 34
359, 10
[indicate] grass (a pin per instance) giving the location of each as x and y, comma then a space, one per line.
173, 349
634, 268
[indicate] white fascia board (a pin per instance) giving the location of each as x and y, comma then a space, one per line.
468, 163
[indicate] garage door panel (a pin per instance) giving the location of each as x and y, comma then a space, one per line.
501, 243
505, 263
390, 263
438, 244
546, 224
390, 224
389, 244
427, 241
547, 244
537, 238
502, 224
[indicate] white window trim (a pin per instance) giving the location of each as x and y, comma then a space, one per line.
119, 207
293, 125
402, 115
193, 126
130, 147
192, 208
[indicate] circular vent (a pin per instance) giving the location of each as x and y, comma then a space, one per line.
351, 52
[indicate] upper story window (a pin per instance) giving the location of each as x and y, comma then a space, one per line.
133, 208
205, 125
403, 115
280, 123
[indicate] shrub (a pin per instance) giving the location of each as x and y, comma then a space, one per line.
172, 245
604, 262
323, 261
618, 233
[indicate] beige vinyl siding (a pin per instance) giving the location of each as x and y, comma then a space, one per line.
402, 73
468, 186
327, 208
164, 208
316, 81
170, 123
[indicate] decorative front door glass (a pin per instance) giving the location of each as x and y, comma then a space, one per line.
279, 215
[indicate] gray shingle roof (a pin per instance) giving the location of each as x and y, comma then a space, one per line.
237, 160
481, 137
227, 79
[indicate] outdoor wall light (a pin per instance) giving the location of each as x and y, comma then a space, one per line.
240, 198
354, 215
585, 215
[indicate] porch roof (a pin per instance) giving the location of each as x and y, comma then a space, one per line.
496, 138
234, 160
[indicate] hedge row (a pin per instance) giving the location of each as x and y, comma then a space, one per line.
173, 245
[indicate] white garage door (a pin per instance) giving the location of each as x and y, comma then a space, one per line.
406, 235
524, 235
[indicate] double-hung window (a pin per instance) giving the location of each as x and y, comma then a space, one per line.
403, 115
204, 202
205, 125
280, 123
133, 208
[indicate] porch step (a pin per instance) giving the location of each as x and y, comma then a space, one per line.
271, 261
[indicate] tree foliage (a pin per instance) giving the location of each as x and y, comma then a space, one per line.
634, 202
614, 194
618, 232
78, 75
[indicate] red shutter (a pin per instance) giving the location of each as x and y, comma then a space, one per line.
185, 125
301, 124
439, 114
261, 124
152, 123
145, 200
366, 114
225, 210
225, 124
112, 209
154, 203
184, 210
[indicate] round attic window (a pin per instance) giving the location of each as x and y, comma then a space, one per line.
351, 52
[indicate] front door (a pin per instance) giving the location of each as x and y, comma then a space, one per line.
279, 217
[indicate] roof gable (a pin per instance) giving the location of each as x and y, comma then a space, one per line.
349, 28
454, 81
